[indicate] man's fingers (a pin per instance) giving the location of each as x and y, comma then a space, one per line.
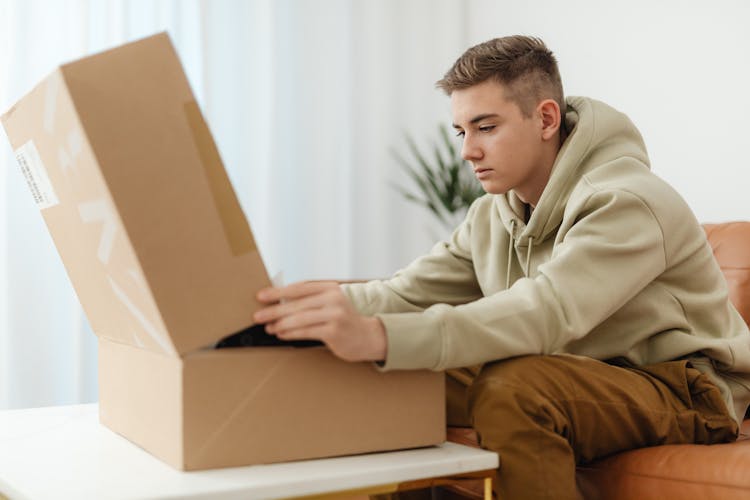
294, 291
316, 332
300, 320
274, 312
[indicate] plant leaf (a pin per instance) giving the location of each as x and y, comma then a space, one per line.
446, 187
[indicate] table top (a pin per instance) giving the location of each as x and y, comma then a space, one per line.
64, 453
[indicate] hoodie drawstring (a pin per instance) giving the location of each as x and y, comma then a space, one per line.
528, 257
511, 242
510, 251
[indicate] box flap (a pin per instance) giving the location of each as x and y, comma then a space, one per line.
147, 223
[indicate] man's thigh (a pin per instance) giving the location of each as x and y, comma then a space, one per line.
600, 408
457, 383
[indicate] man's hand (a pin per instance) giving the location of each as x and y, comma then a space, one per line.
321, 311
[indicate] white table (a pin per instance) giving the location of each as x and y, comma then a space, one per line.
64, 453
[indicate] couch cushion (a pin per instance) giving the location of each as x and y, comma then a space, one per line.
730, 243
673, 471
719, 471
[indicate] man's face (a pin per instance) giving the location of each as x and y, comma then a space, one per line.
503, 146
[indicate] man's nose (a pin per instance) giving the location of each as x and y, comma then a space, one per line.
470, 151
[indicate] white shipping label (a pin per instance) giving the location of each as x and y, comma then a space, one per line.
36, 176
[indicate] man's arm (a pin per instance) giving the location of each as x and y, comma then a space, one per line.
569, 296
341, 315
614, 249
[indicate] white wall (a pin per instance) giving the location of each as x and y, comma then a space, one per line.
679, 69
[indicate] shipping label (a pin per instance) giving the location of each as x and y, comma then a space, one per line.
36, 176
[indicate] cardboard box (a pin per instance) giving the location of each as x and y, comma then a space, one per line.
131, 186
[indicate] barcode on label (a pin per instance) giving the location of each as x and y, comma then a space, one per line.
36, 176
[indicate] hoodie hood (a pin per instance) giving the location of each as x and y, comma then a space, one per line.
597, 134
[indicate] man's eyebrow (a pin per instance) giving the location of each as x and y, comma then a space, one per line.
479, 118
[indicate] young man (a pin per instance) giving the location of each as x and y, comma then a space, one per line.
581, 284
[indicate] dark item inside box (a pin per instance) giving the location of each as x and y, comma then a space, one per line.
256, 336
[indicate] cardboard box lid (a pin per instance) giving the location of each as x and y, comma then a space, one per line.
134, 193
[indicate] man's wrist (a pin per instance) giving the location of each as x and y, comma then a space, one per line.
379, 339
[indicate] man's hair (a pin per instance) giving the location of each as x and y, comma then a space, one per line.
524, 65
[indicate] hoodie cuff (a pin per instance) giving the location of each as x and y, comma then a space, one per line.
414, 341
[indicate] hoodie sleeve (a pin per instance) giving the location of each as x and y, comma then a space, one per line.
445, 275
613, 250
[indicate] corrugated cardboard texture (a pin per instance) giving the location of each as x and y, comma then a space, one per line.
265, 404
131, 101
235, 225
85, 226
261, 405
178, 269
140, 397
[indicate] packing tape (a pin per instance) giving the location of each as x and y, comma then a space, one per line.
98, 211
233, 219
147, 325
50, 102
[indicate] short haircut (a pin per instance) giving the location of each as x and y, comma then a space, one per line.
524, 65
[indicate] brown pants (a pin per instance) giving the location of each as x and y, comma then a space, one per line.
544, 415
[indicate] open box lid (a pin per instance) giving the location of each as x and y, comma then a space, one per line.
133, 191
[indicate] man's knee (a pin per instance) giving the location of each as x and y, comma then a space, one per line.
520, 391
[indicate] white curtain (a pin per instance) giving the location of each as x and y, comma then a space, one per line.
306, 101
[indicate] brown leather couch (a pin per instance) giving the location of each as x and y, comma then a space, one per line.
705, 472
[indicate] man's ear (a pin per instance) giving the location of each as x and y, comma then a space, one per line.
549, 112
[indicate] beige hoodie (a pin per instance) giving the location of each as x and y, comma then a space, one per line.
612, 263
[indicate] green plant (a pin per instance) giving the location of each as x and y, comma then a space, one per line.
445, 187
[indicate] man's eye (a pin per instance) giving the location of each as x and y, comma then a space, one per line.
486, 128
460, 133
